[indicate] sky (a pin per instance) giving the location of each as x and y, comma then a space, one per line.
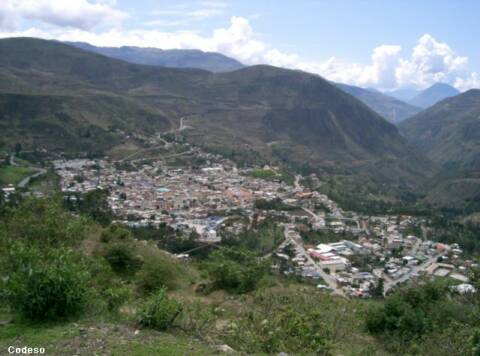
382, 44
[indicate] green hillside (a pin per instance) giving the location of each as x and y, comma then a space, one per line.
392, 109
449, 134
281, 115
173, 58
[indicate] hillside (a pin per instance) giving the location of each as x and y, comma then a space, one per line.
432, 95
278, 114
449, 134
173, 58
392, 109
449, 131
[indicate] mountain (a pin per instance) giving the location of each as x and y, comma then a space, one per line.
402, 94
449, 134
433, 95
64, 98
173, 58
392, 109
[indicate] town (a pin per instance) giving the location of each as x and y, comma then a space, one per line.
362, 254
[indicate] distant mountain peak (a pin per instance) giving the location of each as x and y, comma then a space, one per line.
432, 95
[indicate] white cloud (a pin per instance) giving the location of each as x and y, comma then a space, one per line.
7, 18
430, 60
81, 14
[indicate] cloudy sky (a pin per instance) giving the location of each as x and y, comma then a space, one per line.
384, 44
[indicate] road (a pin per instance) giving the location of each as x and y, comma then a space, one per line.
415, 269
330, 280
296, 183
24, 182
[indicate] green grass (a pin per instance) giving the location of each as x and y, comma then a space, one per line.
13, 174
266, 174
89, 338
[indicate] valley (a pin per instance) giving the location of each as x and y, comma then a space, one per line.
180, 202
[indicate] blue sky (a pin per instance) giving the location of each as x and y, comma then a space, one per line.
382, 44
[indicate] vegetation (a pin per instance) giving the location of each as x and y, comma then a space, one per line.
13, 174
235, 270
46, 284
59, 281
159, 311
412, 318
262, 238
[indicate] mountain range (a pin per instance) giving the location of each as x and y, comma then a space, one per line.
63, 98
424, 98
449, 134
392, 109
432, 95
173, 58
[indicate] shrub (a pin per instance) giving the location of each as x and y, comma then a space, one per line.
115, 297
236, 270
122, 259
115, 232
159, 311
47, 285
155, 274
44, 221
291, 321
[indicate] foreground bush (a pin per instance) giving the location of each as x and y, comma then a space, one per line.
158, 270
159, 311
123, 259
115, 297
44, 222
236, 270
47, 285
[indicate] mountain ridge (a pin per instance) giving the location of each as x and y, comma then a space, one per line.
394, 110
173, 58
282, 115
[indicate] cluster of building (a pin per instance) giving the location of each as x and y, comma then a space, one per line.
187, 199
202, 200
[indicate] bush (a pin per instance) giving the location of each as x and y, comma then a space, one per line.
115, 297
47, 285
44, 221
159, 312
157, 272
115, 233
236, 270
122, 259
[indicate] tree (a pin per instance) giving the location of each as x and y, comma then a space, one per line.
18, 148
377, 289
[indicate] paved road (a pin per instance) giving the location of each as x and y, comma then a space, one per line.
415, 269
330, 280
24, 182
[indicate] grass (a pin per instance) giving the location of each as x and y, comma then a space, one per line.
89, 338
13, 174
269, 174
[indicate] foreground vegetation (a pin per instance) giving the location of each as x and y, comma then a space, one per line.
75, 286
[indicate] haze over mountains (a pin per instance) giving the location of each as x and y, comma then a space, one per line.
392, 109
280, 114
62, 98
394, 106
432, 95
174, 58
427, 97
